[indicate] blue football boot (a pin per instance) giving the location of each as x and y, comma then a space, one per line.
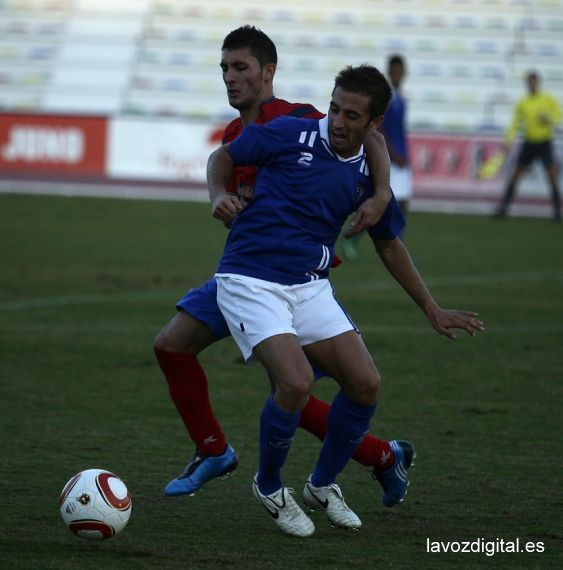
395, 479
200, 470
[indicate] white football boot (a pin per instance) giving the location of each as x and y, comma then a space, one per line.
287, 514
330, 500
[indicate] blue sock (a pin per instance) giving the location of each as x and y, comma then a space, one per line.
277, 429
348, 422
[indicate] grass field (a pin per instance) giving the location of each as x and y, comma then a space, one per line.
86, 284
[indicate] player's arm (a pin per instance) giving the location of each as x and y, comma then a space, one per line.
396, 258
513, 127
256, 145
371, 210
220, 168
553, 112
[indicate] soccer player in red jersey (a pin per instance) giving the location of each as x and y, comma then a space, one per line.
248, 64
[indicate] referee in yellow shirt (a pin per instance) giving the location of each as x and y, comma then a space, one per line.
536, 115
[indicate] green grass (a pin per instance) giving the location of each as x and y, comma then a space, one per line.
86, 284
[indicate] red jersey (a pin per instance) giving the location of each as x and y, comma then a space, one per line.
244, 178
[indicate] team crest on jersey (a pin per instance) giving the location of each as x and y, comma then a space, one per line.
360, 190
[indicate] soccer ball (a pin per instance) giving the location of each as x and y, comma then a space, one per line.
95, 504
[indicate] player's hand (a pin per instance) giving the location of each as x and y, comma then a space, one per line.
226, 207
444, 320
368, 214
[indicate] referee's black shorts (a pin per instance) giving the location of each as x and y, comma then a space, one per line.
532, 151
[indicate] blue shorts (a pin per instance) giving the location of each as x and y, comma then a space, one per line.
201, 304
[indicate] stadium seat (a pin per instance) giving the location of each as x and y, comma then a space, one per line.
463, 51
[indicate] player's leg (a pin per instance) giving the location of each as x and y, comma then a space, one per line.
377, 454
259, 317
525, 157
347, 360
176, 348
372, 452
348, 351
347, 423
292, 376
319, 320
509, 191
550, 167
555, 193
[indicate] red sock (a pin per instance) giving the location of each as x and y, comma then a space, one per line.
187, 384
372, 452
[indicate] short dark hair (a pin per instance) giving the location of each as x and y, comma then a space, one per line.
395, 59
366, 80
260, 45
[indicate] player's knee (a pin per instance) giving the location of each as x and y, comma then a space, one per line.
300, 388
163, 342
295, 390
375, 385
167, 342
183, 335
367, 388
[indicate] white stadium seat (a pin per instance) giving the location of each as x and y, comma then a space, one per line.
465, 57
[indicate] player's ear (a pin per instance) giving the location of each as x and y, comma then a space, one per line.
377, 121
268, 71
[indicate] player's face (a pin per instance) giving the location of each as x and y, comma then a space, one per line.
396, 74
244, 78
348, 122
532, 84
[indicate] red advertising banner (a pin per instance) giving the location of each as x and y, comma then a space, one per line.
34, 144
456, 164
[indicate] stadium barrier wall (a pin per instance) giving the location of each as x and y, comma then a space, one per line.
173, 152
47, 145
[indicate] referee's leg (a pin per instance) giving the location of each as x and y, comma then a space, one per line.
552, 174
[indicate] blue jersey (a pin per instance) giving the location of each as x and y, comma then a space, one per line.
303, 195
394, 125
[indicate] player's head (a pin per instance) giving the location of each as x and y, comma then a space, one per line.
532, 79
360, 97
396, 70
248, 61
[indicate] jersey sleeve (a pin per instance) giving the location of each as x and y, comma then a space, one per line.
515, 122
555, 113
258, 144
390, 224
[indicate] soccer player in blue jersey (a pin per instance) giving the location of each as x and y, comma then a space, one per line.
274, 292
248, 64
394, 129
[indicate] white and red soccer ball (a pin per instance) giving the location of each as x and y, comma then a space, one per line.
95, 504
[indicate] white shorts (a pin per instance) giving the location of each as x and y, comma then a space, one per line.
401, 182
256, 310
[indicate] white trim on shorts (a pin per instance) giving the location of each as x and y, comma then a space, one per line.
256, 310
